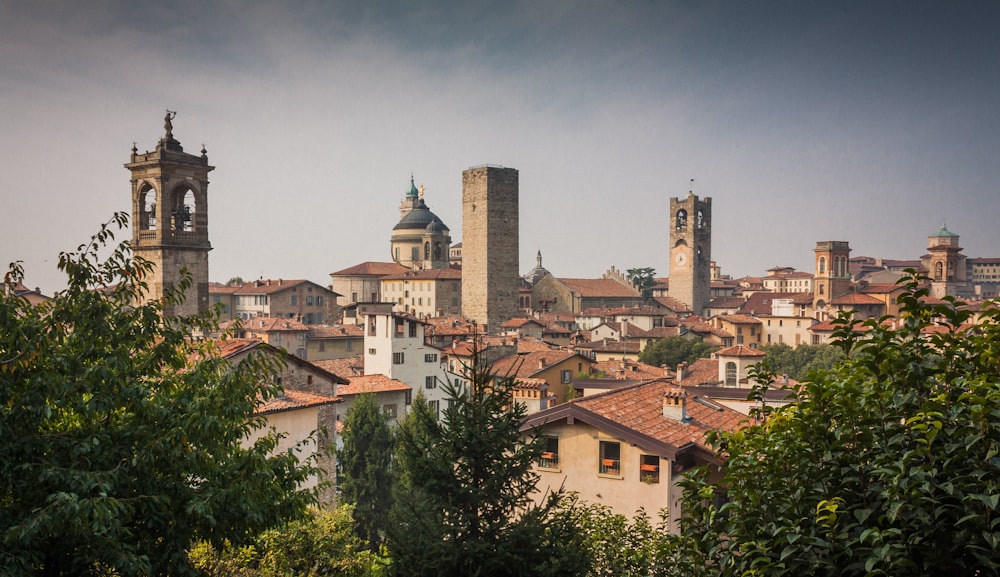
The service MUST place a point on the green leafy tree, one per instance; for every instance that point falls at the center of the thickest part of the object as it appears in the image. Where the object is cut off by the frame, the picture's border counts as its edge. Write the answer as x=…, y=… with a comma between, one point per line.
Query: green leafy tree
x=674, y=350
x=888, y=464
x=799, y=361
x=123, y=439
x=364, y=463
x=464, y=502
x=323, y=543
x=642, y=279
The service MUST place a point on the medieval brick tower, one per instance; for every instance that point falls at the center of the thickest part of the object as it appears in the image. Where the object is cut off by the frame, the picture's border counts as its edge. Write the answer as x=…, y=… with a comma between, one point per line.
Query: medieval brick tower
x=170, y=219
x=490, y=277
x=946, y=265
x=691, y=251
x=833, y=277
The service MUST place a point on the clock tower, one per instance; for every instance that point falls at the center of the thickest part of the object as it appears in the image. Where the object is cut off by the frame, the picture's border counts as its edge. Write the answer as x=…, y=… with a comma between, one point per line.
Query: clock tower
x=691, y=251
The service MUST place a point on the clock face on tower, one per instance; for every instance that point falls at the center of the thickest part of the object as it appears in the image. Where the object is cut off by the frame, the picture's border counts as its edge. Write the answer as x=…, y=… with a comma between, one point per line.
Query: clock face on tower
x=680, y=259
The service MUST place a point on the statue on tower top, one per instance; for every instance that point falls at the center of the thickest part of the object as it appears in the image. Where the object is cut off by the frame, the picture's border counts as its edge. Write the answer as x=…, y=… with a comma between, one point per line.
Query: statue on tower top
x=168, y=125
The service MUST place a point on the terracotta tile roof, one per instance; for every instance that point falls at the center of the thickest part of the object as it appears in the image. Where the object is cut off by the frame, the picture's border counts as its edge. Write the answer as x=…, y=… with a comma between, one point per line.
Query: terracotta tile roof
x=617, y=369
x=268, y=286
x=451, y=273
x=697, y=325
x=635, y=413
x=855, y=299
x=344, y=368
x=229, y=348
x=600, y=287
x=740, y=319
x=828, y=326
x=880, y=288
x=273, y=324
x=518, y=322
x=610, y=346
x=554, y=329
x=372, y=269
x=335, y=331
x=701, y=372
x=215, y=288
x=291, y=400
x=629, y=329
x=662, y=332
x=371, y=384
x=529, y=364
x=530, y=345
x=447, y=326
x=530, y=383
x=803, y=299
x=726, y=303
x=760, y=303
x=740, y=351
x=672, y=304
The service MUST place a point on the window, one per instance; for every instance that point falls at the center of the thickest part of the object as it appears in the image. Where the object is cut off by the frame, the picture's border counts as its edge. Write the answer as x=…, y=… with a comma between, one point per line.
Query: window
x=295, y=300
x=610, y=458
x=413, y=330
x=429, y=382
x=348, y=346
x=354, y=297
x=549, y=458
x=319, y=301
x=390, y=410
x=309, y=379
x=397, y=358
x=565, y=376
x=309, y=300
x=409, y=398
x=371, y=351
x=433, y=406
x=400, y=325
x=730, y=374
x=649, y=469
x=322, y=346
x=371, y=327
x=430, y=358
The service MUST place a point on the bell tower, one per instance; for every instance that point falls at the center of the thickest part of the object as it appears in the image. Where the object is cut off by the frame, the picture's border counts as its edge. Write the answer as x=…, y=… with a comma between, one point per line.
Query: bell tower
x=170, y=218
x=691, y=251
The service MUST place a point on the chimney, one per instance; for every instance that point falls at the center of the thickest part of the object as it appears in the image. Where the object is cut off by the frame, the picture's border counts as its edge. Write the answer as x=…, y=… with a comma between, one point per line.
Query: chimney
x=543, y=397
x=675, y=404
x=679, y=376
x=279, y=282
x=267, y=282
x=541, y=363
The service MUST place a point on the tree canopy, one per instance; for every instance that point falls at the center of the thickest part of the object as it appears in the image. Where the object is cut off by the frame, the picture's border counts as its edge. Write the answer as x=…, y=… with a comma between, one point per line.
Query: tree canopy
x=464, y=504
x=799, y=361
x=674, y=350
x=888, y=464
x=124, y=439
x=642, y=279
x=364, y=464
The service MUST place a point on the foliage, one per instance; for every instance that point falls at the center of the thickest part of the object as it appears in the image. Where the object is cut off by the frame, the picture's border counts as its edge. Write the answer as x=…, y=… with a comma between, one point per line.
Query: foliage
x=642, y=279
x=123, y=439
x=236, y=281
x=622, y=547
x=464, y=501
x=672, y=351
x=364, y=464
x=800, y=361
x=324, y=543
x=889, y=464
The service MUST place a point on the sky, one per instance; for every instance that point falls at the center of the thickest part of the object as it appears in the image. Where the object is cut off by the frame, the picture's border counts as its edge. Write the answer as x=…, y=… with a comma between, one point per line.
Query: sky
x=873, y=122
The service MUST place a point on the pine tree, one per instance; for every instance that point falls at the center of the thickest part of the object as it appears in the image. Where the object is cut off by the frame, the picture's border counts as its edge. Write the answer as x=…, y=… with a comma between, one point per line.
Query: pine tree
x=464, y=502
x=365, y=468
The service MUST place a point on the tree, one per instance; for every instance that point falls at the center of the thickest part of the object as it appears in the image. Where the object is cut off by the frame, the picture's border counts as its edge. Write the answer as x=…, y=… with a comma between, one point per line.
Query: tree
x=642, y=279
x=323, y=543
x=236, y=281
x=464, y=504
x=123, y=439
x=885, y=465
x=799, y=361
x=674, y=350
x=365, y=476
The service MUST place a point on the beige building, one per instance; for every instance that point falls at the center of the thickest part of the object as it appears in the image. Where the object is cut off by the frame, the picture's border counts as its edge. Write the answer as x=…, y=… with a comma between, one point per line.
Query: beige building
x=362, y=283
x=420, y=241
x=629, y=448
x=785, y=279
x=575, y=295
x=745, y=328
x=557, y=368
x=424, y=293
x=324, y=342
x=298, y=299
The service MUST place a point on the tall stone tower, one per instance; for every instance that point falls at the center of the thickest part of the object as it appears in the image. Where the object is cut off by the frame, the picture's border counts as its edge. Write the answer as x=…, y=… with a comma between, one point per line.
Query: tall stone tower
x=490, y=276
x=170, y=218
x=946, y=265
x=691, y=251
x=833, y=277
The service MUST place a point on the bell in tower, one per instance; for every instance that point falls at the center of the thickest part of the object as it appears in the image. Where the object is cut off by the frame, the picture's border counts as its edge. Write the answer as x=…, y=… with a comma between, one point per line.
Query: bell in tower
x=170, y=218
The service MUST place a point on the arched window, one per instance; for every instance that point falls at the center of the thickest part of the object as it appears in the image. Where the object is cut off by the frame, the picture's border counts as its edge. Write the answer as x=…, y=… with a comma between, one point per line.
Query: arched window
x=730, y=374
x=147, y=208
x=701, y=257
x=427, y=251
x=182, y=211
x=938, y=271
x=701, y=220
x=822, y=265
x=437, y=251
x=682, y=219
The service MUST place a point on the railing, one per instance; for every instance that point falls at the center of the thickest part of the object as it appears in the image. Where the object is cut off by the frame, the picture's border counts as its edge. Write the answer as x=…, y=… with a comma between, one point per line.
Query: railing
x=610, y=467
x=549, y=460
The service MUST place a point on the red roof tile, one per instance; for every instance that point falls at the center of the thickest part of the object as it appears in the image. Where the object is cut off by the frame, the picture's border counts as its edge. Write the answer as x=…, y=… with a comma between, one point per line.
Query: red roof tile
x=371, y=384
x=600, y=287
x=291, y=400
x=372, y=269
x=740, y=351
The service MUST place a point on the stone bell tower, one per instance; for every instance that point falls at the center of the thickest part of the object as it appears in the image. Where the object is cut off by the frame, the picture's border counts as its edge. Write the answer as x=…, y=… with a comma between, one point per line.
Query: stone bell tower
x=170, y=219
x=691, y=251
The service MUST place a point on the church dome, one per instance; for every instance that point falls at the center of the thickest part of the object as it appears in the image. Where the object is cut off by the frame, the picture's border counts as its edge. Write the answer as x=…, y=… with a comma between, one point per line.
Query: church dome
x=436, y=226
x=419, y=218
x=538, y=273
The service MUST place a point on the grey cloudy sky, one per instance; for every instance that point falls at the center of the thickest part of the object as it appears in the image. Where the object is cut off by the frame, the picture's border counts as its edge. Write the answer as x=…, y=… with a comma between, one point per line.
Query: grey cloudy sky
x=871, y=122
